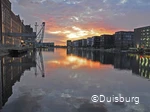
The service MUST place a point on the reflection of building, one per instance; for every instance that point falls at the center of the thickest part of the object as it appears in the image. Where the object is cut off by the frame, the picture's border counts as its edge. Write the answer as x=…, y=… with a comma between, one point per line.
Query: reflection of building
x=106, y=58
x=139, y=65
x=69, y=51
x=122, y=61
x=135, y=65
x=142, y=66
x=142, y=37
x=95, y=56
x=124, y=39
x=11, y=71
x=107, y=41
x=50, y=49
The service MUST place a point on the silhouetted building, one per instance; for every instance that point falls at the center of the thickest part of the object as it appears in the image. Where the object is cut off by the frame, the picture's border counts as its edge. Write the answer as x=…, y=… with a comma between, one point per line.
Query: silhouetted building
x=84, y=43
x=124, y=39
x=107, y=41
x=69, y=43
x=89, y=42
x=48, y=44
x=28, y=29
x=142, y=37
x=75, y=43
x=96, y=42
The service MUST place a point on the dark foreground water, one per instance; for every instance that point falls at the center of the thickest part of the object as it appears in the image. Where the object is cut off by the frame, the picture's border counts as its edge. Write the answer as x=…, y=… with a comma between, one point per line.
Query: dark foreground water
x=60, y=80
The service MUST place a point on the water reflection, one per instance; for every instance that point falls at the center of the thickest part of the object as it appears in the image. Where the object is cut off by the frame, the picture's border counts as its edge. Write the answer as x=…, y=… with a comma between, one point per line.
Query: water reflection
x=61, y=82
x=139, y=65
x=12, y=69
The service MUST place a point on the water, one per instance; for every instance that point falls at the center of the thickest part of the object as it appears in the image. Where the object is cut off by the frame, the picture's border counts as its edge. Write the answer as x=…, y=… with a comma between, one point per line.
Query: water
x=60, y=80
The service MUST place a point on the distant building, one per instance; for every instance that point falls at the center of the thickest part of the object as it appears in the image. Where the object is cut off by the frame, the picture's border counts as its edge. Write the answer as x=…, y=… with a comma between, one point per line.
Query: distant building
x=96, y=41
x=89, y=42
x=142, y=37
x=84, y=42
x=49, y=44
x=79, y=43
x=75, y=43
x=69, y=43
x=107, y=41
x=124, y=39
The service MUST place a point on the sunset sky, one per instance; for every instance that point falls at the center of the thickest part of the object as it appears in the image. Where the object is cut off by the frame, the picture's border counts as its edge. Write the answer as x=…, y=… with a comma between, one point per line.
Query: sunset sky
x=76, y=19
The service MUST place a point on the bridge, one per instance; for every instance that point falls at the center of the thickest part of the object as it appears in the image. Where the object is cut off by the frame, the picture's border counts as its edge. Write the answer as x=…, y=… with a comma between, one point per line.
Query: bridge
x=20, y=34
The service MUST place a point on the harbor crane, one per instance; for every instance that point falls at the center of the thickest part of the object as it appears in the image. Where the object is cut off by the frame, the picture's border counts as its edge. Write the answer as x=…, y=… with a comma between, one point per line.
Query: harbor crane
x=36, y=38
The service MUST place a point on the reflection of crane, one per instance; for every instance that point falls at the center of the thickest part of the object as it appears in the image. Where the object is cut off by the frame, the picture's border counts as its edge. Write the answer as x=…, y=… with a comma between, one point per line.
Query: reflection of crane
x=39, y=63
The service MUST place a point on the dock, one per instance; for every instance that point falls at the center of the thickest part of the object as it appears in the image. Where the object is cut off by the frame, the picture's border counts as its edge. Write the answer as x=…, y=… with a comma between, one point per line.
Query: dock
x=17, y=50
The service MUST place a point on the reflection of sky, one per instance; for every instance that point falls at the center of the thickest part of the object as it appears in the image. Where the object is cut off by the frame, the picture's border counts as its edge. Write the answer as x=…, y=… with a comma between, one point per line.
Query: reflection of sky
x=73, y=62
x=64, y=88
x=74, y=19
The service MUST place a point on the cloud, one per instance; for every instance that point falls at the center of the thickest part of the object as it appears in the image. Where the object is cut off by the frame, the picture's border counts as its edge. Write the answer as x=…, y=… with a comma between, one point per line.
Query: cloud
x=98, y=16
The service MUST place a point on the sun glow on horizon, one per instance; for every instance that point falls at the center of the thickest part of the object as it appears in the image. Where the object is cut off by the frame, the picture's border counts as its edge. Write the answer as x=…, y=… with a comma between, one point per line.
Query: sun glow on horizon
x=76, y=33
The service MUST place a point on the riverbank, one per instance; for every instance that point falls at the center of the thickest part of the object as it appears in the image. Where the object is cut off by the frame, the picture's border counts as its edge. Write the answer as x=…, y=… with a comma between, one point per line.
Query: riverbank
x=4, y=50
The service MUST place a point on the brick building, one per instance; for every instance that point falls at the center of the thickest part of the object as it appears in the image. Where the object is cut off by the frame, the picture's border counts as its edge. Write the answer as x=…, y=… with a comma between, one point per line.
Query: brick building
x=11, y=24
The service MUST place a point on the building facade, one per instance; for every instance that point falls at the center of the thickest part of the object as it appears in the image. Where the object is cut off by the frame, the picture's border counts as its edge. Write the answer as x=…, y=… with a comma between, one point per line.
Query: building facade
x=11, y=25
x=84, y=43
x=69, y=43
x=89, y=42
x=15, y=27
x=142, y=37
x=49, y=44
x=107, y=41
x=96, y=41
x=124, y=39
x=6, y=19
